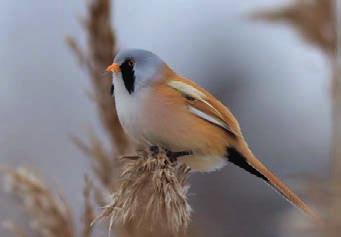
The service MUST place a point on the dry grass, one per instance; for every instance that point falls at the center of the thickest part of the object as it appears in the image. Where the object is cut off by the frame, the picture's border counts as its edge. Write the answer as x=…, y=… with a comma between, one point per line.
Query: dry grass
x=101, y=48
x=88, y=213
x=13, y=228
x=152, y=195
x=313, y=19
x=48, y=212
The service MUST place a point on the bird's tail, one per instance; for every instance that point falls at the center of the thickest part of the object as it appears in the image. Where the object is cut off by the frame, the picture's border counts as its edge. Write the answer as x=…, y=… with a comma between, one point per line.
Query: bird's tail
x=244, y=158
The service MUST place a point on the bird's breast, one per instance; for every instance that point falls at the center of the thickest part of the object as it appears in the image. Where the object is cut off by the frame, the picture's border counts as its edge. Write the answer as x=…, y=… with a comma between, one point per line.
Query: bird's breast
x=156, y=118
x=129, y=111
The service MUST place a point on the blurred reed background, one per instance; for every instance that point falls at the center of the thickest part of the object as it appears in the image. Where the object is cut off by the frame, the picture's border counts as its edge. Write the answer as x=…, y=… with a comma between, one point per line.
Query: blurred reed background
x=280, y=87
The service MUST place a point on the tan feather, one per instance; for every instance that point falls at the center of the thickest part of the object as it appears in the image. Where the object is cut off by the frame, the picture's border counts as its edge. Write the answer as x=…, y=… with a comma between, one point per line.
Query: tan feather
x=203, y=101
x=277, y=184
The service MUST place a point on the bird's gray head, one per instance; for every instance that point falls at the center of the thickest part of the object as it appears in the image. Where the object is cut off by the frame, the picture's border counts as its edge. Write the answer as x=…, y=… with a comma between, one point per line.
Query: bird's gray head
x=135, y=69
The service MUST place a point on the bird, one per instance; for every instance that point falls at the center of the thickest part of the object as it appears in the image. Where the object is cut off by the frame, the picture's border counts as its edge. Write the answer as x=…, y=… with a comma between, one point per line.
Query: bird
x=159, y=108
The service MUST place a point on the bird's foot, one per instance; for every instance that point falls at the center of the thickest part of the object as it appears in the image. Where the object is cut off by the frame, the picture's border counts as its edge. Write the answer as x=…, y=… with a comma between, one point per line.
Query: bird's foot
x=174, y=155
x=171, y=155
x=154, y=150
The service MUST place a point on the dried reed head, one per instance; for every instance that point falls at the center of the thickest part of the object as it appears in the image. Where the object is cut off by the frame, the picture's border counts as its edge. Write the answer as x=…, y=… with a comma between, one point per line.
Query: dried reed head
x=152, y=195
x=100, y=52
x=49, y=214
x=88, y=212
x=13, y=228
x=313, y=19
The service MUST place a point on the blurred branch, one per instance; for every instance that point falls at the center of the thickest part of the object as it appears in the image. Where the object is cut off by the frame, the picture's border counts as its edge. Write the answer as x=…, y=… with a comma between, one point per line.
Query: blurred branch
x=338, y=32
x=334, y=217
x=313, y=19
x=99, y=53
x=13, y=228
x=88, y=213
x=335, y=207
x=101, y=47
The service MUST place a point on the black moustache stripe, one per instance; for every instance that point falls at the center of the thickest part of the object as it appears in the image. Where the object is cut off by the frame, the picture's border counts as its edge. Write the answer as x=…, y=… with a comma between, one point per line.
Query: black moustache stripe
x=128, y=76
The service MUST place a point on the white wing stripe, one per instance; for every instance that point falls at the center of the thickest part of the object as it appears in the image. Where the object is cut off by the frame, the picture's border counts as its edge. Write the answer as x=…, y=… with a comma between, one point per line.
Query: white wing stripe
x=207, y=117
x=187, y=89
x=191, y=91
x=211, y=106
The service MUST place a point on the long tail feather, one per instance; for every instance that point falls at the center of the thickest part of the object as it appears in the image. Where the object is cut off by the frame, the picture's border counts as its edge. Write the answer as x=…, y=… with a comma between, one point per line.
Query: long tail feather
x=244, y=158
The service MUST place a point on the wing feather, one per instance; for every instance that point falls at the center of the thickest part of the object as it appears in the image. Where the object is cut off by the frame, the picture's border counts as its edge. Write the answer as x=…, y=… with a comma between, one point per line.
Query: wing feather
x=204, y=106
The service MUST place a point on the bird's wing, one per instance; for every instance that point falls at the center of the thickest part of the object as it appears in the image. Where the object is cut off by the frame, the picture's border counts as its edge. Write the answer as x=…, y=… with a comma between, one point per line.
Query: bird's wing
x=205, y=106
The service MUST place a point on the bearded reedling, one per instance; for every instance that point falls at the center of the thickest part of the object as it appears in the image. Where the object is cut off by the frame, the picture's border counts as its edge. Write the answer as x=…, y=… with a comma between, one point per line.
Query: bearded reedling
x=158, y=108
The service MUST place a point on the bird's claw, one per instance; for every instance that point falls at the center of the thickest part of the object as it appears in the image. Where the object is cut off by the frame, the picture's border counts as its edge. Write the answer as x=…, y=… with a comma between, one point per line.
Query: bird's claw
x=154, y=150
x=174, y=155
x=171, y=155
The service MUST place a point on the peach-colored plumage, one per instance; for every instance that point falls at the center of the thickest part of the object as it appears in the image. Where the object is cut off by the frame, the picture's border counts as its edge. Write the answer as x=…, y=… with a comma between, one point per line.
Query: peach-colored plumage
x=158, y=107
x=207, y=141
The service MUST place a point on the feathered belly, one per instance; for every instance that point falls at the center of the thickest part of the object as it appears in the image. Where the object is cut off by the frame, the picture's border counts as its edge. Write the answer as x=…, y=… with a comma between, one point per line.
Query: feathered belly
x=204, y=163
x=174, y=128
x=131, y=117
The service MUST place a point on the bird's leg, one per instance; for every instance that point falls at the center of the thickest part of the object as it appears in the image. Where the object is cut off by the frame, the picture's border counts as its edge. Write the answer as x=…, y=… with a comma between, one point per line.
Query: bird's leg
x=154, y=150
x=174, y=155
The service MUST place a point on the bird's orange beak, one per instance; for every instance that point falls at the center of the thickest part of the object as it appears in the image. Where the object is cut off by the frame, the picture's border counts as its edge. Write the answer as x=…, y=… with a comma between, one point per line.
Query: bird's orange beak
x=113, y=68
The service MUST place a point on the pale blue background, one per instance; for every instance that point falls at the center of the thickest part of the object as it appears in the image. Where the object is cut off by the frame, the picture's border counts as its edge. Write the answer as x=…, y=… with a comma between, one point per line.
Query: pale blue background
x=275, y=84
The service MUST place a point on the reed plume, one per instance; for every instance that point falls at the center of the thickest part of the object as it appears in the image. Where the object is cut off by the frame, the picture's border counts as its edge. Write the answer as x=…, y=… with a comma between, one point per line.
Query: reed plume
x=314, y=20
x=152, y=194
x=48, y=213
x=101, y=48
